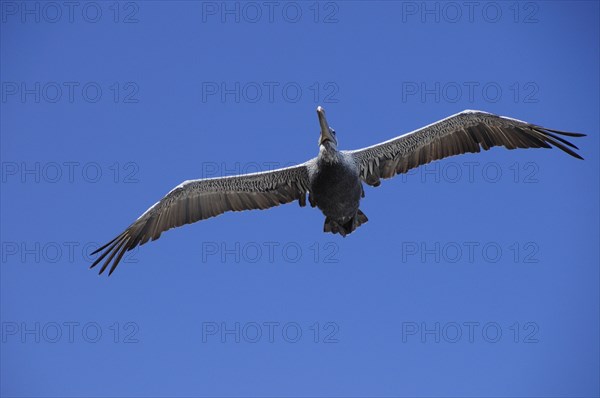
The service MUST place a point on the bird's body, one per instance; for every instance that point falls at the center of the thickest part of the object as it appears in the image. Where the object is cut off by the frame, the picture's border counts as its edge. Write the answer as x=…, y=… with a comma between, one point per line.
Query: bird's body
x=336, y=189
x=334, y=179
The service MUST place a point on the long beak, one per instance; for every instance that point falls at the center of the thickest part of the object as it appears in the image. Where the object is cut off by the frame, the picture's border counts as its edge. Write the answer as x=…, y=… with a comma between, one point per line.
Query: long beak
x=325, y=131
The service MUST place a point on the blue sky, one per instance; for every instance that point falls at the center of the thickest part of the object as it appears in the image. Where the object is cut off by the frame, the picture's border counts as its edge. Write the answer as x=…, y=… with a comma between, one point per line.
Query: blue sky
x=475, y=276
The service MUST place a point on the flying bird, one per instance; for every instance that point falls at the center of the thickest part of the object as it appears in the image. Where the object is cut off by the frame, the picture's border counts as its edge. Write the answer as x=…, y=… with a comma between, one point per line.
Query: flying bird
x=334, y=179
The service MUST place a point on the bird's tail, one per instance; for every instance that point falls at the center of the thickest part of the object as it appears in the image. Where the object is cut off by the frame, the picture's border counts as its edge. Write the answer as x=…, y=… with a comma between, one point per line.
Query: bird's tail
x=344, y=229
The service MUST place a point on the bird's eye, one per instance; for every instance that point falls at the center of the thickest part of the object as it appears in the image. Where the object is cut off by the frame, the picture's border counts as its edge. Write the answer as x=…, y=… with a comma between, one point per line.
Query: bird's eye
x=333, y=132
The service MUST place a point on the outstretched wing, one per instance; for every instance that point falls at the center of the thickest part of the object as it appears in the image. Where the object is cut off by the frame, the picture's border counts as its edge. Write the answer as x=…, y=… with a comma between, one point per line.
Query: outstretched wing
x=467, y=131
x=197, y=200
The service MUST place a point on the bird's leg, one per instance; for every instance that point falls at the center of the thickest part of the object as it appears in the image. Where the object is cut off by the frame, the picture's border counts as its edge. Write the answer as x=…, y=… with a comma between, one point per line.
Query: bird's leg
x=311, y=200
x=302, y=200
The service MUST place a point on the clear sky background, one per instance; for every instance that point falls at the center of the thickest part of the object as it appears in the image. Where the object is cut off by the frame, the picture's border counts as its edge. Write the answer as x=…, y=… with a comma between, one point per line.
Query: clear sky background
x=475, y=276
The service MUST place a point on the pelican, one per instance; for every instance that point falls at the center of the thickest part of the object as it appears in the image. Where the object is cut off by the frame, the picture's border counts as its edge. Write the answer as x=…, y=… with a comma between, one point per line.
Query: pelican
x=334, y=179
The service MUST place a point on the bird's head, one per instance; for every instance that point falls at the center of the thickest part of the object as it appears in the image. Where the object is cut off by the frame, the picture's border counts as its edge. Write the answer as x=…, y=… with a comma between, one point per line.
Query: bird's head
x=327, y=139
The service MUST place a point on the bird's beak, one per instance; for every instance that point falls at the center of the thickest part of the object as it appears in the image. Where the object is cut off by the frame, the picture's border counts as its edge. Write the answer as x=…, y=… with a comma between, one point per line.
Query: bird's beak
x=325, y=131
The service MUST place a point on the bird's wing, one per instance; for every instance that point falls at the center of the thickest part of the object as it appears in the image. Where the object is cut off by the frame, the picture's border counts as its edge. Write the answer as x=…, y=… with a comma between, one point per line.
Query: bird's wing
x=197, y=200
x=467, y=131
